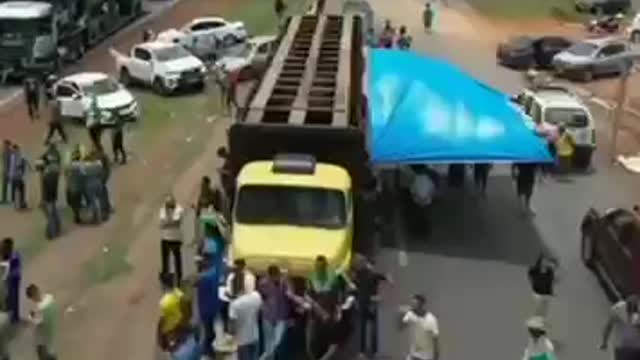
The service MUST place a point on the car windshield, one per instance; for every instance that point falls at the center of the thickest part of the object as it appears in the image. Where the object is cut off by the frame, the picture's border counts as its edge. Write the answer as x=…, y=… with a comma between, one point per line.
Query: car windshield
x=286, y=205
x=574, y=118
x=171, y=53
x=582, y=49
x=102, y=87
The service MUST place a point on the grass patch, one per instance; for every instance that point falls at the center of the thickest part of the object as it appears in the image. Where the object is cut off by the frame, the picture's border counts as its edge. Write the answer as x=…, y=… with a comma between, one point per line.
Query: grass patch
x=563, y=10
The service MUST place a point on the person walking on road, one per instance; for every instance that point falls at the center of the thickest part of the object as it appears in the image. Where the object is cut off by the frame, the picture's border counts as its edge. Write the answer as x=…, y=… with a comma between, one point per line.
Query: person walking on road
x=542, y=277
x=55, y=123
x=13, y=279
x=525, y=177
x=7, y=155
x=276, y=294
x=424, y=331
x=387, y=36
x=367, y=281
x=624, y=322
x=32, y=97
x=18, y=167
x=50, y=180
x=427, y=16
x=117, y=143
x=481, y=177
x=171, y=215
x=565, y=148
x=539, y=347
x=243, y=313
x=279, y=7
x=45, y=321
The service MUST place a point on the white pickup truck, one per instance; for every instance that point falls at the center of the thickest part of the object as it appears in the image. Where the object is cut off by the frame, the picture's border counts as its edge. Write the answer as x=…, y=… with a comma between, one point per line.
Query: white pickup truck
x=166, y=67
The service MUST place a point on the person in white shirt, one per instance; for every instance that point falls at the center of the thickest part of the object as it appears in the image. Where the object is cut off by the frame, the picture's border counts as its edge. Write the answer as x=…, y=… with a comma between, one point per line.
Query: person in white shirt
x=424, y=332
x=239, y=282
x=539, y=346
x=243, y=313
x=171, y=215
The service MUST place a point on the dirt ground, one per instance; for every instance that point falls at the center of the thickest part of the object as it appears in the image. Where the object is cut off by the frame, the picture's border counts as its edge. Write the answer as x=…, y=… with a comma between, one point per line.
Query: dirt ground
x=114, y=319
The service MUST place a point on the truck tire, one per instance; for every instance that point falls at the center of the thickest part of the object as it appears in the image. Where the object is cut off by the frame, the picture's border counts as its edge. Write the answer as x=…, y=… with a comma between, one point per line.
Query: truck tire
x=587, y=249
x=125, y=77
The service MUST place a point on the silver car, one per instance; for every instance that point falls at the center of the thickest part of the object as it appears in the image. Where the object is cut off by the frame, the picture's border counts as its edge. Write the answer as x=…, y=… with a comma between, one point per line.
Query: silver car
x=589, y=58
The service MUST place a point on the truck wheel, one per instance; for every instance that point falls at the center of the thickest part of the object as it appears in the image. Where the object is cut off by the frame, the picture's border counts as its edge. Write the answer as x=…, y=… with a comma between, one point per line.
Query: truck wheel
x=125, y=78
x=159, y=88
x=587, y=252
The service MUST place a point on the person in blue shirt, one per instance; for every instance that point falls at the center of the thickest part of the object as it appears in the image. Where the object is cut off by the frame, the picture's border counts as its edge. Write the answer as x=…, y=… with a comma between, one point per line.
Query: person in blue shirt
x=207, y=282
x=14, y=276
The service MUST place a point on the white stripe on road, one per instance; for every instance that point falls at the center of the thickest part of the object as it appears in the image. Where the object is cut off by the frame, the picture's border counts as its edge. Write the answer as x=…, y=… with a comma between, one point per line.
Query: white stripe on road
x=9, y=98
x=602, y=103
x=403, y=258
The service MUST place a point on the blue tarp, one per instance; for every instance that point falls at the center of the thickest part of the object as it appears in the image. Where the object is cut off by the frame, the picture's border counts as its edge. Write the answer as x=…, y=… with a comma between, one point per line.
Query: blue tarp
x=425, y=110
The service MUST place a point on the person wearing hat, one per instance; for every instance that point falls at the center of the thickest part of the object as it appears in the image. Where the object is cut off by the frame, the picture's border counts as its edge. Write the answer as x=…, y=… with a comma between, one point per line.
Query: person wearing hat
x=539, y=346
x=624, y=322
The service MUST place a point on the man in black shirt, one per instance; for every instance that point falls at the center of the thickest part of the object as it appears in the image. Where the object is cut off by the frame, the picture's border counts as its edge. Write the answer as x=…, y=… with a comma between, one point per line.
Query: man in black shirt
x=32, y=97
x=525, y=176
x=367, y=281
x=542, y=279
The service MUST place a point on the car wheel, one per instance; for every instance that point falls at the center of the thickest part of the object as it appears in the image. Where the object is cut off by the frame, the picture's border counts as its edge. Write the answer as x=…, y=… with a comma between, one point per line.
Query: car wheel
x=587, y=248
x=635, y=37
x=125, y=77
x=159, y=87
x=587, y=75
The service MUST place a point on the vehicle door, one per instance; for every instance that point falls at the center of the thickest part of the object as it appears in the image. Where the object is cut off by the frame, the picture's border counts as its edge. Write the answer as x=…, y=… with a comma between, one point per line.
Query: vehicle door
x=549, y=47
x=70, y=99
x=621, y=267
x=141, y=66
x=607, y=242
x=606, y=63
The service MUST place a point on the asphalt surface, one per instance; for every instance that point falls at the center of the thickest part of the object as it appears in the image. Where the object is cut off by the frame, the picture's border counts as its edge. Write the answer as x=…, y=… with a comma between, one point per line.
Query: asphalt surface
x=472, y=266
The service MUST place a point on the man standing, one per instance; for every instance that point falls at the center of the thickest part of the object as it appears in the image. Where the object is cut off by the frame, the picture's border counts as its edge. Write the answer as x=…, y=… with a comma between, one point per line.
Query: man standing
x=427, y=16
x=367, y=281
x=117, y=142
x=424, y=330
x=55, y=123
x=94, y=179
x=624, y=321
x=243, y=313
x=171, y=215
x=45, y=320
x=542, y=279
x=280, y=7
x=105, y=174
x=73, y=183
x=206, y=283
x=94, y=123
x=14, y=277
x=17, y=172
x=525, y=176
x=275, y=292
x=32, y=97
x=481, y=177
x=7, y=153
x=50, y=177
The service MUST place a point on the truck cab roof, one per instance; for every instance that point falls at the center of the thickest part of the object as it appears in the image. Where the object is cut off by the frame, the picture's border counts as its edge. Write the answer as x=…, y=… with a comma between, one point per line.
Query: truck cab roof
x=25, y=9
x=325, y=176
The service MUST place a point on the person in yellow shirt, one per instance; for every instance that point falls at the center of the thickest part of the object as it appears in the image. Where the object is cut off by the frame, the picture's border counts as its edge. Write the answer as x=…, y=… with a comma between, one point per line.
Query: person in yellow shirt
x=174, y=316
x=565, y=147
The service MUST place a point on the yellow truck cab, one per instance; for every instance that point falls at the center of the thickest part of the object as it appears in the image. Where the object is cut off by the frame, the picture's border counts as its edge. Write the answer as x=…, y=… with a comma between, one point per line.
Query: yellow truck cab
x=290, y=210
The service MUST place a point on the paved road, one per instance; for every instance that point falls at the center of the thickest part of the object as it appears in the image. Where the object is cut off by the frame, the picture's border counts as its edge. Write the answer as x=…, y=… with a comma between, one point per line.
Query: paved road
x=153, y=8
x=472, y=266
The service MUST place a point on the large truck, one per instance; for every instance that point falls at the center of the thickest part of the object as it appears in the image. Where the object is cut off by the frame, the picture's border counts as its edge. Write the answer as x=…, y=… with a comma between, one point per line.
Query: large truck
x=296, y=170
x=39, y=36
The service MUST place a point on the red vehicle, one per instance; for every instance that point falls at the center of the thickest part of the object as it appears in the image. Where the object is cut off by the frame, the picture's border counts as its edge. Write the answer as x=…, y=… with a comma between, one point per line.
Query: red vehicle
x=611, y=248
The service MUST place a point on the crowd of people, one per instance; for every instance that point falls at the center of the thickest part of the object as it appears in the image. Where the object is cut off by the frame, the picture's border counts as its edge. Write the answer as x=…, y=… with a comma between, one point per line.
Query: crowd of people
x=388, y=38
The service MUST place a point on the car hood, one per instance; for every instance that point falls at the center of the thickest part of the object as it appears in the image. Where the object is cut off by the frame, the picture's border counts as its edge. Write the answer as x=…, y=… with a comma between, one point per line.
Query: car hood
x=293, y=247
x=185, y=63
x=566, y=57
x=115, y=99
x=232, y=63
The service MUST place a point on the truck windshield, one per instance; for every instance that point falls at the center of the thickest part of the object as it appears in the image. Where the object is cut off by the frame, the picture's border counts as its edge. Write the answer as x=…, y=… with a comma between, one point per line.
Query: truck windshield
x=102, y=87
x=171, y=53
x=25, y=27
x=286, y=205
x=575, y=118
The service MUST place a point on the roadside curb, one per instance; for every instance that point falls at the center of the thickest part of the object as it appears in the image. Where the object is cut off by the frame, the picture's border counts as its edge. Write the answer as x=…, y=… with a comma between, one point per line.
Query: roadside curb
x=163, y=9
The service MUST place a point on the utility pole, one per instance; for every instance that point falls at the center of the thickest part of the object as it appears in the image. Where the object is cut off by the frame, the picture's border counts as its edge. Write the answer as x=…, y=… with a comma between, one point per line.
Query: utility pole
x=619, y=110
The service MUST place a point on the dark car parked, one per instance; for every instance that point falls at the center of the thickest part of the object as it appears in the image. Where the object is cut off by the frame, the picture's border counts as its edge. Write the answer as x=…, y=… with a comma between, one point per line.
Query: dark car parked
x=611, y=247
x=603, y=7
x=524, y=52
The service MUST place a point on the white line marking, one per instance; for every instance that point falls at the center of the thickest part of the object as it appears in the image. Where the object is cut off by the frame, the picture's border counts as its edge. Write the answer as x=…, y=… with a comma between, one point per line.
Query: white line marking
x=403, y=258
x=602, y=103
x=9, y=98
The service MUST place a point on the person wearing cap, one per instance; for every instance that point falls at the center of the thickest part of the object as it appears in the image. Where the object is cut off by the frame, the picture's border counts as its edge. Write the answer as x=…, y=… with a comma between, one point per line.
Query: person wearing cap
x=539, y=346
x=624, y=322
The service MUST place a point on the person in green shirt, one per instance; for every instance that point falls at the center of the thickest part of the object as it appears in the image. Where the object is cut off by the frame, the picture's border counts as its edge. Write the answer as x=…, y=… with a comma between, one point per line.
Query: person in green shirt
x=44, y=317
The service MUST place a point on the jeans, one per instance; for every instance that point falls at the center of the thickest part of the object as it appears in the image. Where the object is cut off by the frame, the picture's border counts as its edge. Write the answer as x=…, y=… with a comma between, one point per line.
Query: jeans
x=248, y=351
x=74, y=200
x=44, y=353
x=209, y=333
x=13, y=299
x=173, y=247
x=53, y=220
x=273, y=332
x=18, y=193
x=105, y=202
x=92, y=197
x=368, y=329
